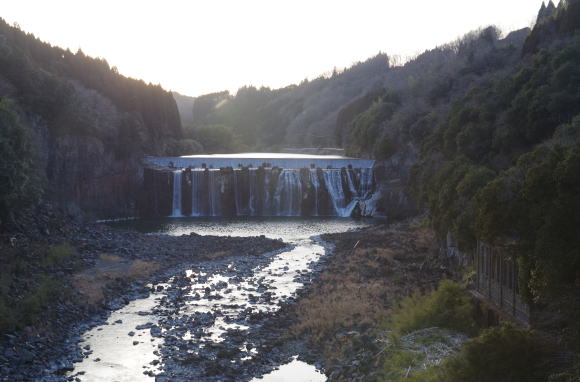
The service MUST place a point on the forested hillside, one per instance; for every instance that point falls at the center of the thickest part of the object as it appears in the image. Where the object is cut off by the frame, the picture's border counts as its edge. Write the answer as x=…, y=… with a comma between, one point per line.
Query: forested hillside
x=73, y=129
x=409, y=98
x=504, y=164
x=301, y=115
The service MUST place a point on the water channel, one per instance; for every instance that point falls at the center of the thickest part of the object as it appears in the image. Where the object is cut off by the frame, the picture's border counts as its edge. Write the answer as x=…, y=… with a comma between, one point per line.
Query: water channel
x=205, y=322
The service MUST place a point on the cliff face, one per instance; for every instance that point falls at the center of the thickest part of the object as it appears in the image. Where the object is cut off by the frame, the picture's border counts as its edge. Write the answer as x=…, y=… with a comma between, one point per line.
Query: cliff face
x=87, y=126
x=391, y=198
x=85, y=177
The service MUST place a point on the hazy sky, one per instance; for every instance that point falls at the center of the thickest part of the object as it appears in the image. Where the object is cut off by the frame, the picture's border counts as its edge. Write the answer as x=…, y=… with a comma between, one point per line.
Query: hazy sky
x=201, y=46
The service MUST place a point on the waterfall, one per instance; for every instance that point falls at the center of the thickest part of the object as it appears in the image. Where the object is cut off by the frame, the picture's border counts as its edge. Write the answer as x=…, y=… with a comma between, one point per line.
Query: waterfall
x=253, y=203
x=316, y=184
x=270, y=191
x=198, y=192
x=267, y=200
x=366, y=182
x=333, y=181
x=177, y=193
x=238, y=198
x=288, y=195
x=214, y=190
x=351, y=186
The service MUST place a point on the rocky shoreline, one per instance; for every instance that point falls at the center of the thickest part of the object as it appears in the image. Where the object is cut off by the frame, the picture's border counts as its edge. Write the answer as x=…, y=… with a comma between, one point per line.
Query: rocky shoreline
x=47, y=349
x=332, y=322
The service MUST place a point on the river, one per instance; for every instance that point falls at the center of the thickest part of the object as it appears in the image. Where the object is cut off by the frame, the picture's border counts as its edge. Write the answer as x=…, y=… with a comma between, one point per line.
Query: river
x=214, y=320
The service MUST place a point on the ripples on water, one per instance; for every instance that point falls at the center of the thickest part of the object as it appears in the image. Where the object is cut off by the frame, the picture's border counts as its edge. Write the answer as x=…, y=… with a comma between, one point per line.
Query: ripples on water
x=121, y=360
x=289, y=229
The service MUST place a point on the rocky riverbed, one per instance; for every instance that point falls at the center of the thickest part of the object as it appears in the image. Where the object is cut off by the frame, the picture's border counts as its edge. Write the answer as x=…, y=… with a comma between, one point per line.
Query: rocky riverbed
x=106, y=270
x=185, y=307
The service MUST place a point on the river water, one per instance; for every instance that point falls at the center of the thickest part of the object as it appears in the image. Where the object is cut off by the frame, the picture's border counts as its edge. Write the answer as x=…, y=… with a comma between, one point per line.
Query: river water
x=206, y=323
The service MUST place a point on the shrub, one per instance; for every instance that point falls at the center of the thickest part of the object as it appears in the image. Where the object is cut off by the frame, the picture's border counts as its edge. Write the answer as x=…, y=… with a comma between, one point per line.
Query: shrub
x=448, y=307
x=499, y=354
x=36, y=302
x=58, y=254
x=399, y=362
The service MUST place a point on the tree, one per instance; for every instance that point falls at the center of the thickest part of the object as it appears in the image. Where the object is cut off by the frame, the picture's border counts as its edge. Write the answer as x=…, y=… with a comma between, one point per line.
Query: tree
x=16, y=168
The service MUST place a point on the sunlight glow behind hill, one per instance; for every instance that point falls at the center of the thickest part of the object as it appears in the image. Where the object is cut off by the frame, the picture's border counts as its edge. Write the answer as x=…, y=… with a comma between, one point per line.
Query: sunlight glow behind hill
x=197, y=47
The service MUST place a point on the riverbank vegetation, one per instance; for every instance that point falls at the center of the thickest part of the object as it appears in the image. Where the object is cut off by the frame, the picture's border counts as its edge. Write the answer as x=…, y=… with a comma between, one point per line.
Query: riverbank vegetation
x=503, y=353
x=31, y=280
x=369, y=273
x=391, y=307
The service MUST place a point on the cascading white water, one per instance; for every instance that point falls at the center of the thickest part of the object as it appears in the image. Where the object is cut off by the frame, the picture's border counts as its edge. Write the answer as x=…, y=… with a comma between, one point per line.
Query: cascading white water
x=316, y=184
x=271, y=192
x=366, y=182
x=238, y=193
x=333, y=181
x=351, y=186
x=253, y=204
x=177, y=193
x=267, y=201
x=214, y=193
x=197, y=194
x=288, y=195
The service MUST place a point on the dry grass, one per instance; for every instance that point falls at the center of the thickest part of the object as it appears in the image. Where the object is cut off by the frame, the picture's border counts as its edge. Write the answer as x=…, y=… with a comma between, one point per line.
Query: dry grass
x=108, y=268
x=342, y=311
x=332, y=308
x=360, y=286
x=215, y=255
x=141, y=269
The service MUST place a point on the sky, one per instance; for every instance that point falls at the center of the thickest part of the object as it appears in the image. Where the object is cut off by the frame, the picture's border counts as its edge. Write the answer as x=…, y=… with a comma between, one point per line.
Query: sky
x=197, y=47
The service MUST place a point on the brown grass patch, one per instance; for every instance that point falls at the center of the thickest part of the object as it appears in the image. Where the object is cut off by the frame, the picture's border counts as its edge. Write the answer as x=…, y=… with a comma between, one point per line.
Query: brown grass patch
x=92, y=281
x=215, y=255
x=141, y=269
x=360, y=286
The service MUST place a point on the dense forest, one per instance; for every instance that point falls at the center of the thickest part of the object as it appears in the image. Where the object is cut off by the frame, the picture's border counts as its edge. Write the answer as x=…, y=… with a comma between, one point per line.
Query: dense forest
x=71, y=126
x=503, y=165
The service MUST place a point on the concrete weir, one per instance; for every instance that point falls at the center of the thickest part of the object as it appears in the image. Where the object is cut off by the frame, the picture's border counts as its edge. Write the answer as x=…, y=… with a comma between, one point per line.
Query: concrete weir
x=257, y=185
x=254, y=160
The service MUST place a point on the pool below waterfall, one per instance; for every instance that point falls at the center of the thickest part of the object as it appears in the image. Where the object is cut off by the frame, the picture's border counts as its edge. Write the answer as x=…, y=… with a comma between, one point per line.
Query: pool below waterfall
x=214, y=320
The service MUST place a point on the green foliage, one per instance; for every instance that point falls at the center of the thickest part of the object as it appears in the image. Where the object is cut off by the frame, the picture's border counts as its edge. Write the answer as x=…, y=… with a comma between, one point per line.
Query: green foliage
x=58, y=254
x=503, y=166
x=17, y=180
x=365, y=128
x=183, y=147
x=536, y=201
x=30, y=307
x=499, y=354
x=213, y=138
x=448, y=307
x=398, y=362
x=62, y=88
x=34, y=303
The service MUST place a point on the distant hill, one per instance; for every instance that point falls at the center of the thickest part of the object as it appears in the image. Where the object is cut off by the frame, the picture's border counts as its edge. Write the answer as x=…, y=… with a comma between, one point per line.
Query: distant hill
x=185, y=107
x=321, y=112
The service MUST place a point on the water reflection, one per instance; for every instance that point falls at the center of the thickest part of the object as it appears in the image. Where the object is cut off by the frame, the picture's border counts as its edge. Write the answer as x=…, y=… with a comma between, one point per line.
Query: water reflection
x=289, y=229
x=227, y=286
